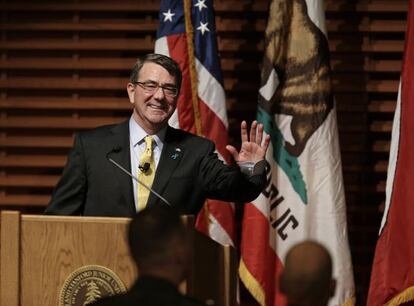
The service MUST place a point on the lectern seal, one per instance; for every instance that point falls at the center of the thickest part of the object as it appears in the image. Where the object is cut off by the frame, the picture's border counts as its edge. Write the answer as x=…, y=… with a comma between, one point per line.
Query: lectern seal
x=88, y=284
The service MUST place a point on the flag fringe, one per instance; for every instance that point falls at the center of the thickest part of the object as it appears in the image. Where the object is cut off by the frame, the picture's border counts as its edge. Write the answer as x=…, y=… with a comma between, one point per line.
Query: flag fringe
x=406, y=296
x=251, y=284
x=349, y=302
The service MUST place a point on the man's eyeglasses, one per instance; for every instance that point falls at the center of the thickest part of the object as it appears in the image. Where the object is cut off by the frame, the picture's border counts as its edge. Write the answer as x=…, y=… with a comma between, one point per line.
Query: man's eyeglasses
x=150, y=87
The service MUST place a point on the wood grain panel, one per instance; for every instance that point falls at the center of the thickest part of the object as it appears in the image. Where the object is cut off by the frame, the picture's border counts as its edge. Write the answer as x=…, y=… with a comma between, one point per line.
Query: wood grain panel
x=10, y=259
x=61, y=251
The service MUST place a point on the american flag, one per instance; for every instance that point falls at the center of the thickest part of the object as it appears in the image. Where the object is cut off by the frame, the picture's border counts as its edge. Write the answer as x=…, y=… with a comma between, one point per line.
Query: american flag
x=187, y=33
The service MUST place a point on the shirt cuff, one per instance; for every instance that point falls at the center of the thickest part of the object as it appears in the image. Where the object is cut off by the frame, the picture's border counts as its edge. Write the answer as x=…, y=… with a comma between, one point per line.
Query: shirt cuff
x=252, y=168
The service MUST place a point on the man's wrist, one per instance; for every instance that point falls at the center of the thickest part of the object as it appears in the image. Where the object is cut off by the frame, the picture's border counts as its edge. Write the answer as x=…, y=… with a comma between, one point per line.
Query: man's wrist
x=252, y=168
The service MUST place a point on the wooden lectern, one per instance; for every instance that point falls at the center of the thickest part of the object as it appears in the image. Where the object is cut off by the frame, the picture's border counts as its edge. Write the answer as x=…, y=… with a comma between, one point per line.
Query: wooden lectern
x=39, y=253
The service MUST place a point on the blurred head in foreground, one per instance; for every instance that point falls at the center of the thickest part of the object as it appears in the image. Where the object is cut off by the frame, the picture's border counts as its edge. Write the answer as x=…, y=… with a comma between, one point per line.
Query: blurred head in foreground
x=307, y=277
x=159, y=244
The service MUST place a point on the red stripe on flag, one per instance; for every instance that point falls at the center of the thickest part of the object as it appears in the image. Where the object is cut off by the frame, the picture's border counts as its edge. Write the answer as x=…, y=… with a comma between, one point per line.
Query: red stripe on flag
x=224, y=214
x=214, y=129
x=177, y=45
x=393, y=271
x=259, y=258
x=202, y=220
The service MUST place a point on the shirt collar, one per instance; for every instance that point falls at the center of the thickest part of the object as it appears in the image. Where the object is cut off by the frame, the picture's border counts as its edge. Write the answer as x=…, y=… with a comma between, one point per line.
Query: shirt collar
x=137, y=134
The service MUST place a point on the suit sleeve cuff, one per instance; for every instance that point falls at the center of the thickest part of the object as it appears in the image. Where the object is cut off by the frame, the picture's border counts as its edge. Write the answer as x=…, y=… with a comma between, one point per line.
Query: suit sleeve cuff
x=252, y=168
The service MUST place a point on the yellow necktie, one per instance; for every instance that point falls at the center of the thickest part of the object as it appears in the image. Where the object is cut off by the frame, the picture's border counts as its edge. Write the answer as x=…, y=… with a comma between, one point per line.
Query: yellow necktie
x=146, y=174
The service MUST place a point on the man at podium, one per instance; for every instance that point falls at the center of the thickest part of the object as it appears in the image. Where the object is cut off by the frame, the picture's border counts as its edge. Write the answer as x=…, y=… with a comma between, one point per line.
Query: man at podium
x=120, y=169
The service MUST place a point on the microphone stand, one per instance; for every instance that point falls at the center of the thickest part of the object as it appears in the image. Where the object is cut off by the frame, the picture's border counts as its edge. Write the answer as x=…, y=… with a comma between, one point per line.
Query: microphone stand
x=139, y=182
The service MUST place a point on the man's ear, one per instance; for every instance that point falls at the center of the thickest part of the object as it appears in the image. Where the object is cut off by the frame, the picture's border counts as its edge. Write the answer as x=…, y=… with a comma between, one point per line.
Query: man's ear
x=131, y=92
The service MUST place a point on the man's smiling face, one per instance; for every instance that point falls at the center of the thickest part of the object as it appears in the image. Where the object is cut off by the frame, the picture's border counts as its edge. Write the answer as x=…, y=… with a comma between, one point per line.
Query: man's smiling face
x=152, y=110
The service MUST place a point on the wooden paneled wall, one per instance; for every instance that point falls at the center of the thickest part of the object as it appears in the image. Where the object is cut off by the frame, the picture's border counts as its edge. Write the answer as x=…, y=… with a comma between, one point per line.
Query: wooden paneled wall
x=64, y=67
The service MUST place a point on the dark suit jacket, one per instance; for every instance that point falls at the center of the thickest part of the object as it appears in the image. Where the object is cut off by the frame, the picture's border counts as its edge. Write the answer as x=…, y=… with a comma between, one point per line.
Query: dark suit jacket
x=188, y=172
x=150, y=291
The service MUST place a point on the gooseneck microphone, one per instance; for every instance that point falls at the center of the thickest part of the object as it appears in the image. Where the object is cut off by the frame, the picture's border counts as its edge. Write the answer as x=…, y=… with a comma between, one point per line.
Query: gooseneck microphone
x=145, y=168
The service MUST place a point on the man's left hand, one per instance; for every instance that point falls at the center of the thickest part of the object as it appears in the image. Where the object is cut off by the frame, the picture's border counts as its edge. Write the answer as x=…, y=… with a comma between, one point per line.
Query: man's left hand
x=252, y=150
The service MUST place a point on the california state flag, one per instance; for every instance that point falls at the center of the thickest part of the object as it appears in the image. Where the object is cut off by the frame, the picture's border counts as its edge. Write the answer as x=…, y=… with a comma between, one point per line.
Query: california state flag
x=392, y=277
x=304, y=196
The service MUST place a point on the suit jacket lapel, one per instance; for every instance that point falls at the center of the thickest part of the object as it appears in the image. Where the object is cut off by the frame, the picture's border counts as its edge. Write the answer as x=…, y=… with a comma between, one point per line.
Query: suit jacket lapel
x=170, y=158
x=119, y=138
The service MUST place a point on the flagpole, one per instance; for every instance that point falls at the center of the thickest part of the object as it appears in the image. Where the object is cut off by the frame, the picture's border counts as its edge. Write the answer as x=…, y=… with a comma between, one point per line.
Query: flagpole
x=191, y=59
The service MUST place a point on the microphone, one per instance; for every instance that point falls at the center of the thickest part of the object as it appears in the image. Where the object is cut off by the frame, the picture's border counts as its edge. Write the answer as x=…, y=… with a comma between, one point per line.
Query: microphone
x=145, y=167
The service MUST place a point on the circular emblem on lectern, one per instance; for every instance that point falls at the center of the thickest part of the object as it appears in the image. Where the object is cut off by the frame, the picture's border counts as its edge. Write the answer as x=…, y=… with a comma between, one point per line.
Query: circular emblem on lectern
x=88, y=284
